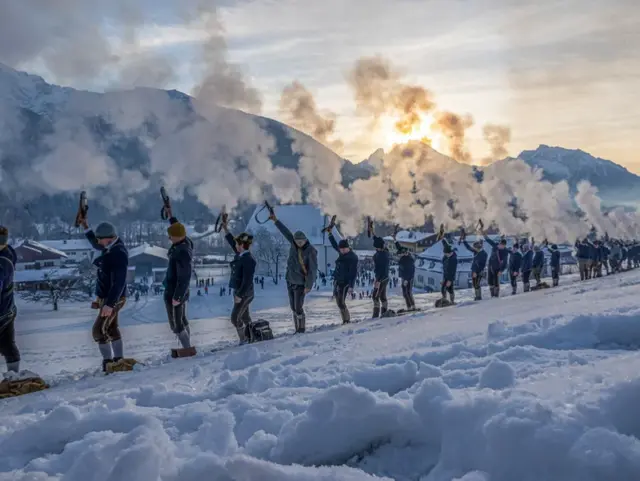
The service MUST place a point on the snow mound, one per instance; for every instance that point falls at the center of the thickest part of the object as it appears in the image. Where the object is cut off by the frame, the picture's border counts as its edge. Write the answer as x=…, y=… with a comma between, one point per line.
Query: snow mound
x=497, y=375
x=512, y=389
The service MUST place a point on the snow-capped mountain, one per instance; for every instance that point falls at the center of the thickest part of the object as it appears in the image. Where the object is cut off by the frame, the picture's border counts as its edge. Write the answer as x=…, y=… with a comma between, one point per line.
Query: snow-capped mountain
x=30, y=109
x=616, y=184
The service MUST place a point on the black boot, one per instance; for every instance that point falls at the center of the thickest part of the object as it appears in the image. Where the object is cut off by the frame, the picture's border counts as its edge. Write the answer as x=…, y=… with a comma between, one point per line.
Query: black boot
x=301, y=323
x=376, y=312
x=478, y=293
x=105, y=363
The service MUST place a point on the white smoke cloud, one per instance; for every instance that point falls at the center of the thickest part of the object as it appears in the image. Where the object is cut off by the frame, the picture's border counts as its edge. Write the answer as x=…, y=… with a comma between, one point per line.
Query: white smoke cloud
x=223, y=156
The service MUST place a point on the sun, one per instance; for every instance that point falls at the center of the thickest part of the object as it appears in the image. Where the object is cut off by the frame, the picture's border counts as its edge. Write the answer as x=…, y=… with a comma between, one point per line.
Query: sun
x=421, y=131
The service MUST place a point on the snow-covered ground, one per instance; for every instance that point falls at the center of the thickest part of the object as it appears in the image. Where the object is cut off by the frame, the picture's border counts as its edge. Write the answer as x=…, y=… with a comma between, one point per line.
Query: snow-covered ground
x=542, y=386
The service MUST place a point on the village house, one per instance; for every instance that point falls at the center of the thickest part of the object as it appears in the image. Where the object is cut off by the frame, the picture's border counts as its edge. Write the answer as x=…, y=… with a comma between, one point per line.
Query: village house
x=145, y=258
x=307, y=218
x=76, y=250
x=415, y=242
x=32, y=255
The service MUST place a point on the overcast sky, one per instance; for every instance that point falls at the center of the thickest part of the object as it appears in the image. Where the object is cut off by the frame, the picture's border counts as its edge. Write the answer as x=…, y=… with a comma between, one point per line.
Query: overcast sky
x=563, y=73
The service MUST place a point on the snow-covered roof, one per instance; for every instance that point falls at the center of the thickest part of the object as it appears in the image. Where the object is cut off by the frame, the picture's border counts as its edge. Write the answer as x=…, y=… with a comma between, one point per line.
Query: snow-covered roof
x=39, y=247
x=155, y=251
x=41, y=275
x=410, y=236
x=307, y=218
x=66, y=245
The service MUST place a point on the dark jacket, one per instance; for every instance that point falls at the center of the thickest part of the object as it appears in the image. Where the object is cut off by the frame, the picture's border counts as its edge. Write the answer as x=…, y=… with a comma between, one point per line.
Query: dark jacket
x=527, y=261
x=479, y=259
x=583, y=250
x=499, y=257
x=406, y=267
x=515, y=261
x=449, y=267
x=538, y=260
x=112, y=266
x=555, y=259
x=346, y=269
x=381, y=260
x=302, y=264
x=179, y=270
x=7, y=269
x=243, y=268
x=604, y=252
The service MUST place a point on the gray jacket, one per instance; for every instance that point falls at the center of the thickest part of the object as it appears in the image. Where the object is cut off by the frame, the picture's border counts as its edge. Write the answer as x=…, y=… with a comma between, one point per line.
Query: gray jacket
x=302, y=264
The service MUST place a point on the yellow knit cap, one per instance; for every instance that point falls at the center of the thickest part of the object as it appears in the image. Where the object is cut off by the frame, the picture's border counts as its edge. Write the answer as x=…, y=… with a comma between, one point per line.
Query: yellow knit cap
x=177, y=230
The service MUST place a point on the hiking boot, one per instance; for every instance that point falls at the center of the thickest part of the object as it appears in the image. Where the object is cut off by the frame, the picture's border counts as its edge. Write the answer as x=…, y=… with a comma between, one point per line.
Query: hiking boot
x=105, y=364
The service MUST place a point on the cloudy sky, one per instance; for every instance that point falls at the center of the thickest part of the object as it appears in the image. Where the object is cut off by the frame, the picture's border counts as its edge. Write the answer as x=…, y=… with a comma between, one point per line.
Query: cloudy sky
x=558, y=72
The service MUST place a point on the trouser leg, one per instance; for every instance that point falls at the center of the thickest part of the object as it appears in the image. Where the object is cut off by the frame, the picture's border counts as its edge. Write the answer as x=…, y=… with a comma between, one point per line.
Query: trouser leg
x=297, y=296
x=340, y=293
x=240, y=316
x=106, y=330
x=8, y=346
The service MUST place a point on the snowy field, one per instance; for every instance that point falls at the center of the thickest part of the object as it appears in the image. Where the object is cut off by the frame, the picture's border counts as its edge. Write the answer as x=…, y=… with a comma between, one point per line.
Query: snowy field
x=542, y=386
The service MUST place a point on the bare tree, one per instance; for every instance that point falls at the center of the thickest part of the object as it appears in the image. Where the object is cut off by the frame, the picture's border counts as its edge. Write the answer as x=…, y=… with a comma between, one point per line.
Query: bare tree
x=78, y=285
x=270, y=249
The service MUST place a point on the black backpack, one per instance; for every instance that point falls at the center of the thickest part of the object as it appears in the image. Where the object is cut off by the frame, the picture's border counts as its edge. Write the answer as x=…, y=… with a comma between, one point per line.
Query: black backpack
x=260, y=331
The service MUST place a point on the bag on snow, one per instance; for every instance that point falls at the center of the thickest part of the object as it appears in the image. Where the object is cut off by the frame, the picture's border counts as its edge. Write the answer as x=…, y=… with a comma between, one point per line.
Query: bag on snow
x=543, y=285
x=122, y=365
x=18, y=387
x=260, y=331
x=183, y=352
x=443, y=303
x=407, y=311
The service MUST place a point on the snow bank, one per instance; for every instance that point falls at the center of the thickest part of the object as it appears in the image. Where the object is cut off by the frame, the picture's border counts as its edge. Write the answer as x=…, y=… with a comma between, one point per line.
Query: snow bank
x=499, y=391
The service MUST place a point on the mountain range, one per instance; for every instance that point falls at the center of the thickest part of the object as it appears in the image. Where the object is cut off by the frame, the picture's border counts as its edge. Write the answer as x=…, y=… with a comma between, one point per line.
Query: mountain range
x=35, y=106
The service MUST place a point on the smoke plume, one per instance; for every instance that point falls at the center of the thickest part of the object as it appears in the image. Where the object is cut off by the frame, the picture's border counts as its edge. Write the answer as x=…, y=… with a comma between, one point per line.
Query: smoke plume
x=498, y=138
x=379, y=90
x=223, y=156
x=299, y=109
x=454, y=127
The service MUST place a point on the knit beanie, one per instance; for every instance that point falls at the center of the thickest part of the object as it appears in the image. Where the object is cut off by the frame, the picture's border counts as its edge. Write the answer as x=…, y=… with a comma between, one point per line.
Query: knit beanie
x=177, y=230
x=4, y=235
x=343, y=244
x=105, y=230
x=299, y=235
x=447, y=249
x=378, y=243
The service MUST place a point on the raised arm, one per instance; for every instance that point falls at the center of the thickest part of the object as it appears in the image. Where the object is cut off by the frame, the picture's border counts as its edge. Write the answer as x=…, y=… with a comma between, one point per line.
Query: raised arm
x=231, y=241
x=333, y=242
x=468, y=246
x=285, y=231
x=91, y=237
x=490, y=241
